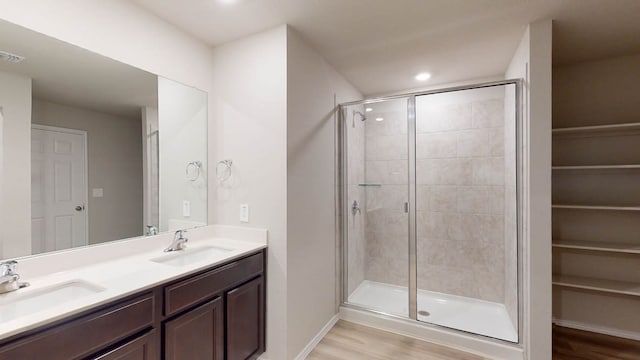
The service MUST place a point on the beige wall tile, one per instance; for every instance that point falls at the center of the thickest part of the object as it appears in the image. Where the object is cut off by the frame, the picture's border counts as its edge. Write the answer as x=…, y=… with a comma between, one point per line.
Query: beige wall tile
x=480, y=199
x=442, y=118
x=488, y=113
x=488, y=171
x=460, y=173
x=497, y=141
x=393, y=172
x=473, y=143
x=442, y=198
x=436, y=145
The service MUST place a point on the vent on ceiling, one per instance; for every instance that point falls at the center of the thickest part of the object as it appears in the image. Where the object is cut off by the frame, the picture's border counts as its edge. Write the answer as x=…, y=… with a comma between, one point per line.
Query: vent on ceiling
x=6, y=56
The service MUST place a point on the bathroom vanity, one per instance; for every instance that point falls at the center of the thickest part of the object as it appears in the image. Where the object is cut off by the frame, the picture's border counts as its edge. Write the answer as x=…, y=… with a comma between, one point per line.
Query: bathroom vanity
x=211, y=306
x=112, y=150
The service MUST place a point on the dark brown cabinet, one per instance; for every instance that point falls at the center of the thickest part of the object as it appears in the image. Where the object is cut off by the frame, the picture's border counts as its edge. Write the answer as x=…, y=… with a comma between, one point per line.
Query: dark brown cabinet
x=196, y=335
x=86, y=335
x=215, y=314
x=245, y=321
x=141, y=348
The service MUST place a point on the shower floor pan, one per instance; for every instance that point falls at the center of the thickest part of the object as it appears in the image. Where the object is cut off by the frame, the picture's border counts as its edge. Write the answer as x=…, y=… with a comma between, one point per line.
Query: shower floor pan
x=457, y=312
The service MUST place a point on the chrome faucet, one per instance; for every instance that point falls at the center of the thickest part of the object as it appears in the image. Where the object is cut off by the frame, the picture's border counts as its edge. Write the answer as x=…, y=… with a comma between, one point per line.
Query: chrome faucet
x=179, y=241
x=151, y=230
x=8, y=277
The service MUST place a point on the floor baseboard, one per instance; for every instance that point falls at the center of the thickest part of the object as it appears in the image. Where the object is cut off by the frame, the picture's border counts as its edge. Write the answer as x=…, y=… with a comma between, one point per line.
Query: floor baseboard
x=316, y=339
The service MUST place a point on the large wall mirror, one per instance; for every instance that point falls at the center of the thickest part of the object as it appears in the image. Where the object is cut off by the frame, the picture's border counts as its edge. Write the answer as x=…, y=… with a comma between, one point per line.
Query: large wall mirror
x=93, y=150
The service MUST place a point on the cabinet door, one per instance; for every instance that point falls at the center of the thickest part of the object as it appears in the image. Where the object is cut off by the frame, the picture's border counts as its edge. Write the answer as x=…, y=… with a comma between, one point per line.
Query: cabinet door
x=196, y=335
x=141, y=348
x=98, y=331
x=245, y=321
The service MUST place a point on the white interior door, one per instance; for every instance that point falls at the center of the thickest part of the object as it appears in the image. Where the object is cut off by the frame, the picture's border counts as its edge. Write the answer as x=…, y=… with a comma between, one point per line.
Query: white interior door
x=58, y=189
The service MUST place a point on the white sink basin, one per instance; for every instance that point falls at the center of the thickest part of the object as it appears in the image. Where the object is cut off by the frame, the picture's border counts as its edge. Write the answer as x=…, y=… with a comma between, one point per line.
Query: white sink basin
x=28, y=301
x=190, y=256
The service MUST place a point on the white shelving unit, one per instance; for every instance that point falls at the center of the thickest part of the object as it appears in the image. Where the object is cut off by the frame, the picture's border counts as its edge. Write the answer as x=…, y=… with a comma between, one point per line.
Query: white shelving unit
x=607, y=286
x=596, y=196
x=594, y=257
x=598, y=246
x=595, y=207
x=598, y=167
x=635, y=126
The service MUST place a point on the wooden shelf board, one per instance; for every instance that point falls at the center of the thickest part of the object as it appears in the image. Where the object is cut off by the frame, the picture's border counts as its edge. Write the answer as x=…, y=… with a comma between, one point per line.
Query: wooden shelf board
x=609, y=286
x=597, y=128
x=596, y=167
x=592, y=207
x=597, y=246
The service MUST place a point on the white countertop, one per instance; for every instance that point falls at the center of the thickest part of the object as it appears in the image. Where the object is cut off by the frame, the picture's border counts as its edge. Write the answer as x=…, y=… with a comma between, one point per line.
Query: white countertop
x=118, y=269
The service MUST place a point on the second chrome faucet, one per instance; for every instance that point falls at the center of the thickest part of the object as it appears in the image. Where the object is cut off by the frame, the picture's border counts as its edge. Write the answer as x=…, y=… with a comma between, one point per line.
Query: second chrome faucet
x=179, y=241
x=9, y=278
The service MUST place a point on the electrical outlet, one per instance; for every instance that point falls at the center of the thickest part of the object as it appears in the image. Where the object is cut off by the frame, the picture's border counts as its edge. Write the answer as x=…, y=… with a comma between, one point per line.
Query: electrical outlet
x=244, y=213
x=186, y=208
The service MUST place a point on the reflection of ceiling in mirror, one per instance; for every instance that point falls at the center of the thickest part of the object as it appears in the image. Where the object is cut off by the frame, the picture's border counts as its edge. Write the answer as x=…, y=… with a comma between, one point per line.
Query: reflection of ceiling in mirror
x=70, y=75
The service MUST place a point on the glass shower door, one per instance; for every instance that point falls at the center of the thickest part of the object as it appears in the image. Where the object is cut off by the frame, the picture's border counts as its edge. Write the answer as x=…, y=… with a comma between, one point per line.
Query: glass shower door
x=376, y=213
x=466, y=236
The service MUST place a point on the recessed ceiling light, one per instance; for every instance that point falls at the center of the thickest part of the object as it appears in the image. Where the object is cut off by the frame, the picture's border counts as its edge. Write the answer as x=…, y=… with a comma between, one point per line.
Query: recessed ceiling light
x=368, y=109
x=227, y=2
x=379, y=119
x=423, y=76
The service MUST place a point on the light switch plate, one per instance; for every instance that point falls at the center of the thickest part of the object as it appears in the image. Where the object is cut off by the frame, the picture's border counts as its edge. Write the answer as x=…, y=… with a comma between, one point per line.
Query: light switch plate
x=244, y=213
x=97, y=193
x=186, y=208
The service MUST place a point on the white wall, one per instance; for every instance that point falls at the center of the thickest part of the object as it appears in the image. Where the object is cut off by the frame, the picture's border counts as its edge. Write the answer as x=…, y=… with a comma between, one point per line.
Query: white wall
x=311, y=117
x=114, y=157
x=182, y=124
x=249, y=108
x=15, y=199
x=532, y=62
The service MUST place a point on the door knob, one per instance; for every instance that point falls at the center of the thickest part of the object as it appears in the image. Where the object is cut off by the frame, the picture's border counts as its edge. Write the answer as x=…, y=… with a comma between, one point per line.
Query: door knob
x=79, y=208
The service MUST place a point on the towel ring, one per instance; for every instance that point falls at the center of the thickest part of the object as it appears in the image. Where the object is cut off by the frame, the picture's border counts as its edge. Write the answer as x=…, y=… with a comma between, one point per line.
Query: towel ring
x=193, y=175
x=223, y=170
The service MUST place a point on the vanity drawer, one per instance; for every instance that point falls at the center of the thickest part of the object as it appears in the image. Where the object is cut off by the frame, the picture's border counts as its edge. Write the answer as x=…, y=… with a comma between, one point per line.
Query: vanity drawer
x=184, y=294
x=86, y=335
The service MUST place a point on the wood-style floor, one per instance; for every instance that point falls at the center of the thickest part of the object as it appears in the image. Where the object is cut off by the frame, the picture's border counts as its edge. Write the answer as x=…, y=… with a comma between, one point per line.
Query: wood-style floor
x=570, y=344
x=349, y=341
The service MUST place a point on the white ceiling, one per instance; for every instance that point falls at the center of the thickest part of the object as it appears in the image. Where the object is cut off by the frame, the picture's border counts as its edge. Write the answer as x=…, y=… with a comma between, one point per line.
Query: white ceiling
x=68, y=75
x=380, y=45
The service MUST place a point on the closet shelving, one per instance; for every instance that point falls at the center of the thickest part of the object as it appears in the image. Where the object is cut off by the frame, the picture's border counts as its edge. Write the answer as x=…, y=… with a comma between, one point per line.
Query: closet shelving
x=610, y=286
x=597, y=207
x=597, y=167
x=598, y=246
x=606, y=246
x=597, y=129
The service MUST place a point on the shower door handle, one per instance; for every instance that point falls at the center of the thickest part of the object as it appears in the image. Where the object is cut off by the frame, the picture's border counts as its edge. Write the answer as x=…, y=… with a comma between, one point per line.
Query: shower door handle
x=406, y=207
x=355, y=208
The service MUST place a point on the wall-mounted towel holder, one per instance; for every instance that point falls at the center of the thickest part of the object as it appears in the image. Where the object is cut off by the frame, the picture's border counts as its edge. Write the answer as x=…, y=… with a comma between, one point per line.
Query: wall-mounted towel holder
x=223, y=170
x=193, y=170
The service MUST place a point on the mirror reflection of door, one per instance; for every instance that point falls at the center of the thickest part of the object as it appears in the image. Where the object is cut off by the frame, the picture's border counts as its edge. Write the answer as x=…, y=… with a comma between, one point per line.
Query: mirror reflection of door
x=58, y=188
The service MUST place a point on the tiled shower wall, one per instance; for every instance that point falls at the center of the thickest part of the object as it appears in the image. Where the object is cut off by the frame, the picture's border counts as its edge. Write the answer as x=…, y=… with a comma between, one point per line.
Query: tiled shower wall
x=355, y=227
x=387, y=166
x=460, y=176
x=460, y=194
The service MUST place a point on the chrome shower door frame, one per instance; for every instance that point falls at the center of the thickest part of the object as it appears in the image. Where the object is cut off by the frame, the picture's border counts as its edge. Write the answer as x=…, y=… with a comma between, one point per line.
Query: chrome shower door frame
x=342, y=201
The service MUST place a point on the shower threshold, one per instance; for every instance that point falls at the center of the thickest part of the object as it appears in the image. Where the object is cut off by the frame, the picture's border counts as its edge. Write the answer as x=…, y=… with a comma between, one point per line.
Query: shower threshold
x=457, y=312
